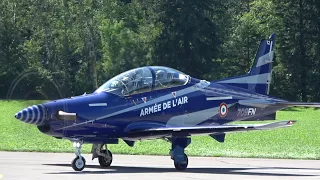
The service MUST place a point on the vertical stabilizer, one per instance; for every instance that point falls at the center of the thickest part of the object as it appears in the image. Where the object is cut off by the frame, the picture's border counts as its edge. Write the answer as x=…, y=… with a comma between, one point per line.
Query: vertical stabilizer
x=259, y=77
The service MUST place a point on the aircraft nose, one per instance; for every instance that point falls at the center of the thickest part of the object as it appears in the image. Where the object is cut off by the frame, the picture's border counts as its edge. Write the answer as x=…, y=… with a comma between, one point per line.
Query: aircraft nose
x=32, y=115
x=18, y=115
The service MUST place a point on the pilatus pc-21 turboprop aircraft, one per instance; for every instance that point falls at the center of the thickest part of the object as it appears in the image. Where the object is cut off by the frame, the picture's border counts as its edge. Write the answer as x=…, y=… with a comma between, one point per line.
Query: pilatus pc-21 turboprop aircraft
x=159, y=102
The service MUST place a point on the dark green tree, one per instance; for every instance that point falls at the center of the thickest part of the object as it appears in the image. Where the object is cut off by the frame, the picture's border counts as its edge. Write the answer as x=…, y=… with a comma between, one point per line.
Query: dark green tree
x=189, y=37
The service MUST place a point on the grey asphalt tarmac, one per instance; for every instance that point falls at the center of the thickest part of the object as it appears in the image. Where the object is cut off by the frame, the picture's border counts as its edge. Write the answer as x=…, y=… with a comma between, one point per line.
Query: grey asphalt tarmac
x=49, y=166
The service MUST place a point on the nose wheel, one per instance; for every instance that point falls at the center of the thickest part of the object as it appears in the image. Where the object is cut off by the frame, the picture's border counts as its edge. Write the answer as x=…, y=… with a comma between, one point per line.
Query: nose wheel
x=79, y=162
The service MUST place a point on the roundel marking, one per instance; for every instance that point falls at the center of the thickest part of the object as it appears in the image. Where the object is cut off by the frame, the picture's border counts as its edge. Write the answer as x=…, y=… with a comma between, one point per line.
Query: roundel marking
x=223, y=110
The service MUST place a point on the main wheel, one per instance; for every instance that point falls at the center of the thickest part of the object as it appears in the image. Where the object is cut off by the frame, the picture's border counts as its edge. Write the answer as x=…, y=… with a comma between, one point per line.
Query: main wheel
x=103, y=161
x=78, y=163
x=182, y=165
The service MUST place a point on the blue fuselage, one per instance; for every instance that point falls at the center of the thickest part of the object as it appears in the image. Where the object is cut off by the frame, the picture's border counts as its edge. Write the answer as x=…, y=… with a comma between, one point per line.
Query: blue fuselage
x=104, y=115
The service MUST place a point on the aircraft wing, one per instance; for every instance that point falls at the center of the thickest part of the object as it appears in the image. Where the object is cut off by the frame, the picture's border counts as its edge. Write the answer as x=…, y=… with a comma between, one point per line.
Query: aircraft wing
x=265, y=103
x=300, y=104
x=203, y=130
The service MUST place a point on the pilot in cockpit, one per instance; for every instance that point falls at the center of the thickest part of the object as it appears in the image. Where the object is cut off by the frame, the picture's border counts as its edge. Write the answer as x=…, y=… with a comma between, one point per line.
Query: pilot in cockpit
x=132, y=81
x=160, y=77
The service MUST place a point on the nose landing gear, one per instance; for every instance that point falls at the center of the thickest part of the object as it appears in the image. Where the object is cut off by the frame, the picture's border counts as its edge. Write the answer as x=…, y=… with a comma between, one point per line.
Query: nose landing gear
x=79, y=162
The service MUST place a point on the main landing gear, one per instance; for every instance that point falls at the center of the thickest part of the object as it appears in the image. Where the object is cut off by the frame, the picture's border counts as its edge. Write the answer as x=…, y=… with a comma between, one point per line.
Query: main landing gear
x=177, y=154
x=104, y=156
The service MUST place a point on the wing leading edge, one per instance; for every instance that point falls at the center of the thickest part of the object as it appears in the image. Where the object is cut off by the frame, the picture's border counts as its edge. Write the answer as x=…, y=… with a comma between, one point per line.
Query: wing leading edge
x=203, y=130
x=265, y=103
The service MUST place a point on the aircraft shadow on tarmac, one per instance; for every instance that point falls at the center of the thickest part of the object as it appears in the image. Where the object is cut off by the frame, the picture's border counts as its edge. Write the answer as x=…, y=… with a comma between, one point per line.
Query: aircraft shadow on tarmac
x=232, y=171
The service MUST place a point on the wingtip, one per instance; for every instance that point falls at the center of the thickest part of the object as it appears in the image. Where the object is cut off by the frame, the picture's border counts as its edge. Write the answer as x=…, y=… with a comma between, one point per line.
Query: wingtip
x=291, y=122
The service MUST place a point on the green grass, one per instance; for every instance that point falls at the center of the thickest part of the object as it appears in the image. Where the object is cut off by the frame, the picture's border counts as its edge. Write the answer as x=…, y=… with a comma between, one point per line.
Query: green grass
x=302, y=141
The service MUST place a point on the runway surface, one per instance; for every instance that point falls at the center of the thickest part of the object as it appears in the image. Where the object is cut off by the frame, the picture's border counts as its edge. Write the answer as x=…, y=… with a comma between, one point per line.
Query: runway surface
x=39, y=166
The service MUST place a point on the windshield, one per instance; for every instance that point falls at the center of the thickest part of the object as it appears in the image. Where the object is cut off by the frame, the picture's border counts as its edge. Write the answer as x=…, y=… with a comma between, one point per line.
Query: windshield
x=144, y=79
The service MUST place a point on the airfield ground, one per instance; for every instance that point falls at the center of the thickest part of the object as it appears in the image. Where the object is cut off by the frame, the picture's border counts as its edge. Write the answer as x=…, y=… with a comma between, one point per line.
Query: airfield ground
x=299, y=142
x=39, y=166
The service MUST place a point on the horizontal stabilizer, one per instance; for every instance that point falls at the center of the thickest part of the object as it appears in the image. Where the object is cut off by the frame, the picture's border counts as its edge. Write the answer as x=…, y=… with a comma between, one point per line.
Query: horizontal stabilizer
x=202, y=130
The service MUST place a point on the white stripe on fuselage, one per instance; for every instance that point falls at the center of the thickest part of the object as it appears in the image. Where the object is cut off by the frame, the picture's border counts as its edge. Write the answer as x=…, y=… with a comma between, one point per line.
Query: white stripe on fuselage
x=98, y=104
x=181, y=92
x=194, y=118
x=218, y=98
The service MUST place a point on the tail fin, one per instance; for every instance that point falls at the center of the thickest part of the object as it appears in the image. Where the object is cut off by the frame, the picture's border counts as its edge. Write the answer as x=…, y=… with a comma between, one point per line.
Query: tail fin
x=259, y=77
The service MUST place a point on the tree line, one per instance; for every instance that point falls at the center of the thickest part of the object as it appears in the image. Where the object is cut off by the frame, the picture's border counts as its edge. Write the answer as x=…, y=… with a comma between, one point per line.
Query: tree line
x=58, y=48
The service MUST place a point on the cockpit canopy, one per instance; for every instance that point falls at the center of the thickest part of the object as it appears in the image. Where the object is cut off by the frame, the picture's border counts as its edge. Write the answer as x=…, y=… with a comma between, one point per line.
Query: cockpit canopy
x=144, y=79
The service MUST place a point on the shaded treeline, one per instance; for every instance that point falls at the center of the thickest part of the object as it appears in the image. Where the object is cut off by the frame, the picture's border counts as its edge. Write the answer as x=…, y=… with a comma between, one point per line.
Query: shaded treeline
x=58, y=48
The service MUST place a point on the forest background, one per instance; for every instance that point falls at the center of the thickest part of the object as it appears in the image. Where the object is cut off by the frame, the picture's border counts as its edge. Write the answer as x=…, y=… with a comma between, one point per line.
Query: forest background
x=58, y=48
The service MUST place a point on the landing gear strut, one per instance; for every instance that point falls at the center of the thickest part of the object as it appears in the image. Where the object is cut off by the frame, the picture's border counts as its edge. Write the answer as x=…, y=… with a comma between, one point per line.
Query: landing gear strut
x=178, y=156
x=104, y=155
x=79, y=162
